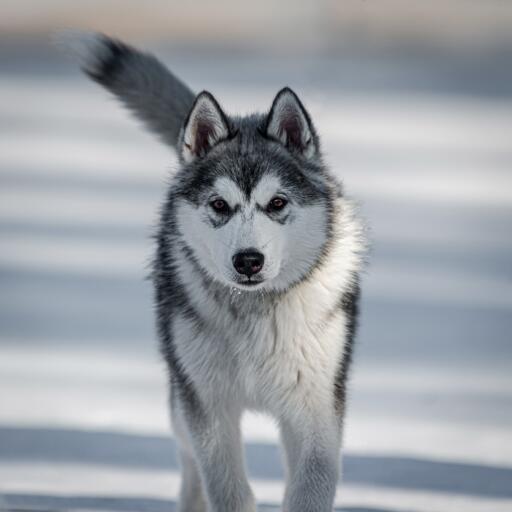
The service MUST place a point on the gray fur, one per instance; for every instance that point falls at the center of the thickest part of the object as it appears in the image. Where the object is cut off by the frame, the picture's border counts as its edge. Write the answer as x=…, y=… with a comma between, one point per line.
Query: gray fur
x=139, y=80
x=280, y=343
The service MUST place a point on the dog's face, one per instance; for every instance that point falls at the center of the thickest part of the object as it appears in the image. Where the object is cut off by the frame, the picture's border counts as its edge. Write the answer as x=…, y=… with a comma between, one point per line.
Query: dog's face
x=253, y=205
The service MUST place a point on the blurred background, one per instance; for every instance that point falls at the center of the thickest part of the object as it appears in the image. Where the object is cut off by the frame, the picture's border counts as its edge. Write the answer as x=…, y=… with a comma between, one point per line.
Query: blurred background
x=413, y=101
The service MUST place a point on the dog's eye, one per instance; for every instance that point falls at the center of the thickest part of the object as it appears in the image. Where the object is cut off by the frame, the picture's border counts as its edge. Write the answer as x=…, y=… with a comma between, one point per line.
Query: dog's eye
x=276, y=204
x=220, y=206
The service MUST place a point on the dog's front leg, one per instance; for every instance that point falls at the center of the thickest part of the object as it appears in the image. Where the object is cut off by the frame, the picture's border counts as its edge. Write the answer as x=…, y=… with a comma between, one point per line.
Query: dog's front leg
x=312, y=450
x=217, y=445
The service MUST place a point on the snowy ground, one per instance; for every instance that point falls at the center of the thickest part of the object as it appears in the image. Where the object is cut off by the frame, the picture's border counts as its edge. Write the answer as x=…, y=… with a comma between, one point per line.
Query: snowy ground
x=83, y=419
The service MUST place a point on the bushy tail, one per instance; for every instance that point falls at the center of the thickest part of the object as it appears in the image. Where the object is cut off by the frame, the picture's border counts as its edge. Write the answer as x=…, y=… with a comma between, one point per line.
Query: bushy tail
x=138, y=79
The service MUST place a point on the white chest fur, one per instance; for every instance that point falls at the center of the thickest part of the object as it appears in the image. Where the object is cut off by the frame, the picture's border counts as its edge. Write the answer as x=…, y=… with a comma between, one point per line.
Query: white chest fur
x=285, y=356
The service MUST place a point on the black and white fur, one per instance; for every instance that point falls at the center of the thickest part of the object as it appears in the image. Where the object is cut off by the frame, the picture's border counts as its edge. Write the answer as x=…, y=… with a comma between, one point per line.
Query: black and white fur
x=275, y=337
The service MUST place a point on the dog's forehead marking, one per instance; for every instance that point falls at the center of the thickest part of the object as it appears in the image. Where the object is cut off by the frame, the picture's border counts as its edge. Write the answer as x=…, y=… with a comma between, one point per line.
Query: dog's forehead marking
x=229, y=190
x=264, y=190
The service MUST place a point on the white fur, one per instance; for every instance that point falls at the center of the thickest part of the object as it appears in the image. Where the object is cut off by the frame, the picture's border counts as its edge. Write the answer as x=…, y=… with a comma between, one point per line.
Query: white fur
x=294, y=337
x=289, y=250
x=283, y=362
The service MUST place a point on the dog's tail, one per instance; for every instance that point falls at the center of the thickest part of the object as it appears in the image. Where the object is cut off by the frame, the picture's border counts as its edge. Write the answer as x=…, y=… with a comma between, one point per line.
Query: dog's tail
x=138, y=79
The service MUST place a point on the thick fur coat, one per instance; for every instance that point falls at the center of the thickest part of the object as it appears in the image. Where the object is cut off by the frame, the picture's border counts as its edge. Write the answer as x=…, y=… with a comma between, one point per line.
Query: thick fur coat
x=256, y=282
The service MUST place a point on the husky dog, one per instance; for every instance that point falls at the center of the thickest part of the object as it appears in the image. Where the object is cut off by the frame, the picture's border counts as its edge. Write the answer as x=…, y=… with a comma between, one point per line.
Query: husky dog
x=256, y=282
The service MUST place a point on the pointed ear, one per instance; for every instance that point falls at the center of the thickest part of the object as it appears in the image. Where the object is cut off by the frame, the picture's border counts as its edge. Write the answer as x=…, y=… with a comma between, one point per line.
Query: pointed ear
x=205, y=126
x=289, y=123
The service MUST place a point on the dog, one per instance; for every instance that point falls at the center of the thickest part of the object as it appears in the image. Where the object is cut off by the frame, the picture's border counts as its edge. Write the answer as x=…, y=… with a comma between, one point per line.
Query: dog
x=256, y=279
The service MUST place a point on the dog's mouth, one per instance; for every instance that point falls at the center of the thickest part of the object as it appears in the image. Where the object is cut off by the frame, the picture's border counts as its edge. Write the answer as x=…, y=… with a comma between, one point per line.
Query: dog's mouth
x=249, y=283
x=252, y=283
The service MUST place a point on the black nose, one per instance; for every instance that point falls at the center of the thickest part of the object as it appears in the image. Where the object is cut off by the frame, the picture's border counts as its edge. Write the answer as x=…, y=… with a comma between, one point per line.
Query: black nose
x=248, y=262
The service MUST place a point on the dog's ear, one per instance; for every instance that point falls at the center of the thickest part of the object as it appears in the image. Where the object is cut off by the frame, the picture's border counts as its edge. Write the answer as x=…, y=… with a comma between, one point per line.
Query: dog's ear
x=206, y=125
x=289, y=123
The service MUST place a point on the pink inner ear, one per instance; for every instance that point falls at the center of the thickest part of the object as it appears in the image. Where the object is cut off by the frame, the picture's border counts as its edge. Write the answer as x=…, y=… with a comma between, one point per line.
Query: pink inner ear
x=202, y=142
x=291, y=125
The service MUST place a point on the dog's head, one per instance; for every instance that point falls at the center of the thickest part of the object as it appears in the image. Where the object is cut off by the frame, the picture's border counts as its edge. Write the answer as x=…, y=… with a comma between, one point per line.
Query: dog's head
x=253, y=201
